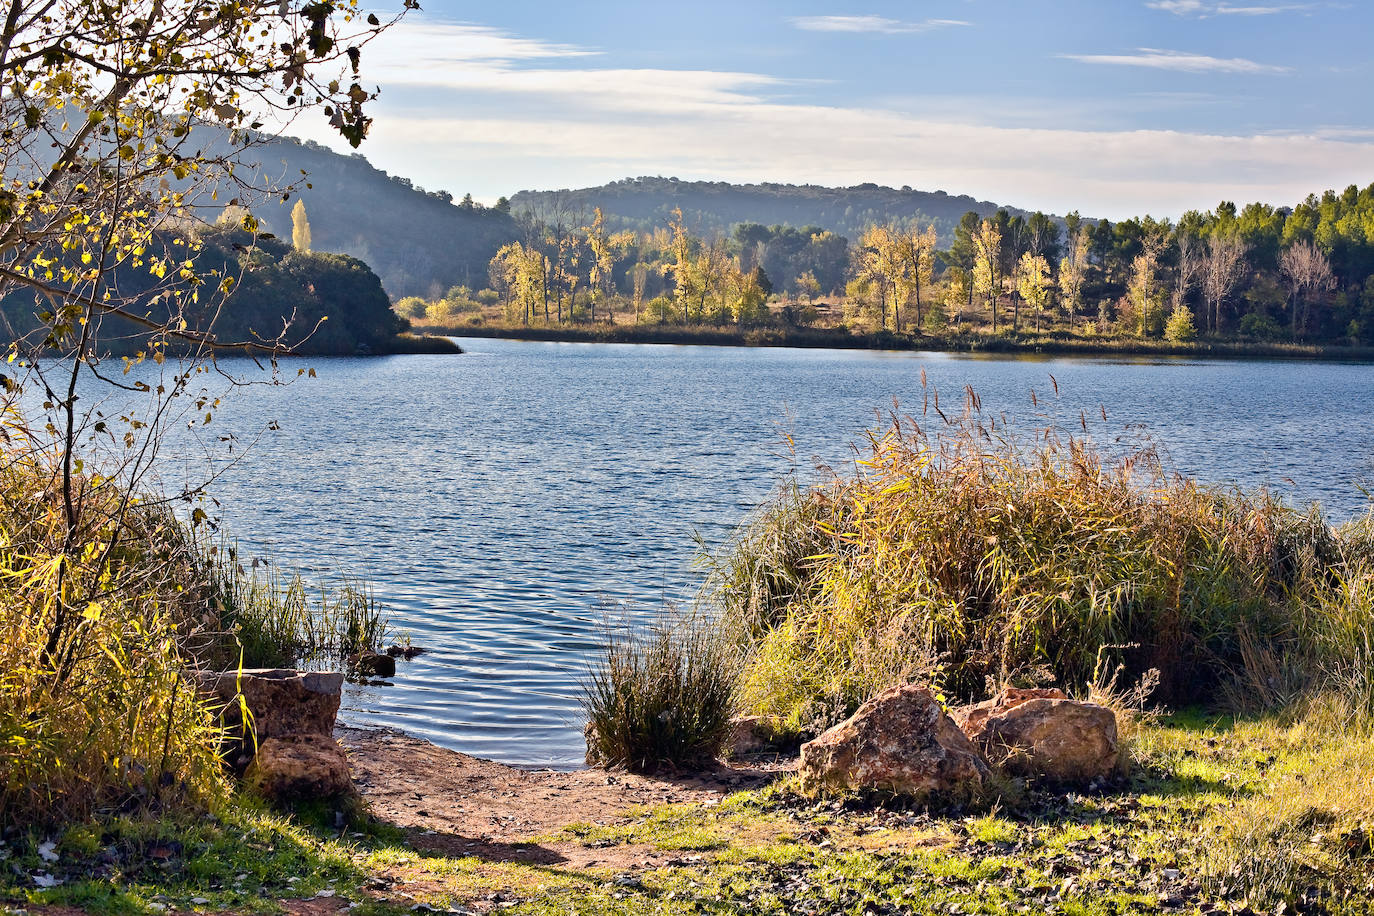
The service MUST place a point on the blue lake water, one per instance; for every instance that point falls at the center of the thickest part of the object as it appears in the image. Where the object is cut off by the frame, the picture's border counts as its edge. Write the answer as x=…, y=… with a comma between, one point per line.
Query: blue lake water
x=507, y=502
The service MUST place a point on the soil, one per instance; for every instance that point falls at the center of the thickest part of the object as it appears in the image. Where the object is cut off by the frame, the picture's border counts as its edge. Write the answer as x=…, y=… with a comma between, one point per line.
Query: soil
x=456, y=805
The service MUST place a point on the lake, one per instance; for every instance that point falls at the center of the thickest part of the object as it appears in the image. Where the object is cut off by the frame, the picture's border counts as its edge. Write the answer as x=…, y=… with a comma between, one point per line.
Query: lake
x=510, y=503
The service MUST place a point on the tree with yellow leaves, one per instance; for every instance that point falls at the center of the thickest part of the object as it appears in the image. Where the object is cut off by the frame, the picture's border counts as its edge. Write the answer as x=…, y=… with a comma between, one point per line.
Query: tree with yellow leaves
x=1034, y=283
x=987, y=279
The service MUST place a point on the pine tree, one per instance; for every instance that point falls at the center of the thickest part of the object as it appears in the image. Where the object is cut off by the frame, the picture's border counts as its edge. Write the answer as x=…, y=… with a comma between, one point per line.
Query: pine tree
x=300, y=227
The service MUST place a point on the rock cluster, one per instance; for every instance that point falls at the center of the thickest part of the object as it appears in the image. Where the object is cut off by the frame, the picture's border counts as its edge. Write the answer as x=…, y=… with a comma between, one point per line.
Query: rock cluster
x=903, y=742
x=279, y=729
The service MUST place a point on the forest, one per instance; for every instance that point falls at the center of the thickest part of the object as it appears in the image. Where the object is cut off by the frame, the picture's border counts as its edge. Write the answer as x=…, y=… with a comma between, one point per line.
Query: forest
x=1256, y=273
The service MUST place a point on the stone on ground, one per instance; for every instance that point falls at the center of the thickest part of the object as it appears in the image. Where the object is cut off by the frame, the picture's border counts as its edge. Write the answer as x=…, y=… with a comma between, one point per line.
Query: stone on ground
x=1043, y=734
x=299, y=768
x=900, y=742
x=757, y=735
x=281, y=702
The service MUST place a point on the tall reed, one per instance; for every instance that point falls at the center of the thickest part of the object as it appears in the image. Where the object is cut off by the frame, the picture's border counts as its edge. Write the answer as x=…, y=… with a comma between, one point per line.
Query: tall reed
x=963, y=554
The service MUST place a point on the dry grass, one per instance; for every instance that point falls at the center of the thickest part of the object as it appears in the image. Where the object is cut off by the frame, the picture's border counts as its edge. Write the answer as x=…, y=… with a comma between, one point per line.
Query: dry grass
x=967, y=556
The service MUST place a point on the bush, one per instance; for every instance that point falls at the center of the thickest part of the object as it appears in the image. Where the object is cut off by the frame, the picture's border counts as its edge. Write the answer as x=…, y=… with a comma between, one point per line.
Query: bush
x=1259, y=326
x=94, y=708
x=98, y=626
x=411, y=307
x=971, y=558
x=1181, y=328
x=664, y=701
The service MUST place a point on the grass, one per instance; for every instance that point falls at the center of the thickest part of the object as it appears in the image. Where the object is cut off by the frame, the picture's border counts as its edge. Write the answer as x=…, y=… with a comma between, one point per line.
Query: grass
x=1220, y=814
x=969, y=557
x=841, y=337
x=271, y=621
x=102, y=609
x=664, y=699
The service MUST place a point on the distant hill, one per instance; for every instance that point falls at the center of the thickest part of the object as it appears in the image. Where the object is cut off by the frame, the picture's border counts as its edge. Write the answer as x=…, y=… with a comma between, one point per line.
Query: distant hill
x=418, y=242
x=716, y=206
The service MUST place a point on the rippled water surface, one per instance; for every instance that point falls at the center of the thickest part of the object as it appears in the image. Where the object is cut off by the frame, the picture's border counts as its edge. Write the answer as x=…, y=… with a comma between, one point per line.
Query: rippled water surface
x=505, y=502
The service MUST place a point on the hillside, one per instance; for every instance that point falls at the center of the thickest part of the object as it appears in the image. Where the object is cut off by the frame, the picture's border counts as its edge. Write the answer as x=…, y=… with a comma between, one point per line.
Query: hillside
x=418, y=242
x=711, y=206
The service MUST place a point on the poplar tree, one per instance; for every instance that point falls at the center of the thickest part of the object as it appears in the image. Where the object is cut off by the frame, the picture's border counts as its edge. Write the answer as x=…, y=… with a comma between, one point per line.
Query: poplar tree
x=300, y=227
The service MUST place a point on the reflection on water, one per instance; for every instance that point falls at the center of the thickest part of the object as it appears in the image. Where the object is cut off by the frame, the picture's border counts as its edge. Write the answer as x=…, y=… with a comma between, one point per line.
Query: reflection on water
x=506, y=502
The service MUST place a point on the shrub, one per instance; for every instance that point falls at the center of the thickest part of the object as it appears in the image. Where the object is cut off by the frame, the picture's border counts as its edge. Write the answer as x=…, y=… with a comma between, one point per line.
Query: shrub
x=1260, y=326
x=94, y=709
x=1180, y=328
x=664, y=700
x=411, y=307
x=971, y=557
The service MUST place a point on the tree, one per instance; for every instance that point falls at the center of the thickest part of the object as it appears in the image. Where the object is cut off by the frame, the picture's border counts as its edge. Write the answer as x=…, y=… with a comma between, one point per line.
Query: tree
x=1034, y=283
x=809, y=286
x=1144, y=293
x=1221, y=271
x=1073, y=268
x=1180, y=327
x=918, y=251
x=987, y=278
x=1305, y=270
x=300, y=227
x=121, y=120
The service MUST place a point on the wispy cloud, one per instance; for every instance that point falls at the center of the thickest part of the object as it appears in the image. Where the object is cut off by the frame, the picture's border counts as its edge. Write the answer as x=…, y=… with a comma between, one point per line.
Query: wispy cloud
x=1178, y=61
x=444, y=43
x=872, y=24
x=1201, y=9
x=512, y=114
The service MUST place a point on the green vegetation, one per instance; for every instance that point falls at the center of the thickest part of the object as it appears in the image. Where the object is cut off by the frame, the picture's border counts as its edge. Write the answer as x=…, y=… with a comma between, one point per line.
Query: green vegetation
x=968, y=557
x=99, y=623
x=419, y=242
x=1221, y=814
x=716, y=207
x=665, y=700
x=283, y=295
x=1252, y=277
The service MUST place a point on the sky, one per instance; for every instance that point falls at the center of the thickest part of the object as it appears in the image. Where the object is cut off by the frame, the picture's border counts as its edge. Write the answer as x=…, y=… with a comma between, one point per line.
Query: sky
x=1114, y=108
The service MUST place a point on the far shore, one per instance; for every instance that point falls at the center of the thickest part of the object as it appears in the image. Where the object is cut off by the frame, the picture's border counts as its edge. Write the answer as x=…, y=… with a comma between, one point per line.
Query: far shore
x=841, y=339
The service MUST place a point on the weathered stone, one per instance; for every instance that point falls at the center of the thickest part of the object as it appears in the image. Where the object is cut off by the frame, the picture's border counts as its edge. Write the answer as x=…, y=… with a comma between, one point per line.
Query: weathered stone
x=901, y=742
x=758, y=735
x=299, y=768
x=972, y=718
x=280, y=702
x=1044, y=735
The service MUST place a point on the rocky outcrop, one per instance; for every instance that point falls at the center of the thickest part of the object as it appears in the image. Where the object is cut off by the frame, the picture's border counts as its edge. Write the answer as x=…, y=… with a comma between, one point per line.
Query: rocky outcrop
x=281, y=702
x=1042, y=734
x=900, y=742
x=299, y=767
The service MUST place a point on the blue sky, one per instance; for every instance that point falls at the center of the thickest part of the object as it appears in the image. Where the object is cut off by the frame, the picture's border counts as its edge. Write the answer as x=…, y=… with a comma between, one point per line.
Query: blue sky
x=1114, y=108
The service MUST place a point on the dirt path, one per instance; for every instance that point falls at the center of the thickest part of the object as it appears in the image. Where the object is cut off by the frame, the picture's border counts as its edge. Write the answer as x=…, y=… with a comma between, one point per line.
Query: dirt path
x=458, y=805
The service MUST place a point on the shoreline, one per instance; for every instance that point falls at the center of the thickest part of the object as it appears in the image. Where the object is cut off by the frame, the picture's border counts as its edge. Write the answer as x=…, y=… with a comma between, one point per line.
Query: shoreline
x=837, y=340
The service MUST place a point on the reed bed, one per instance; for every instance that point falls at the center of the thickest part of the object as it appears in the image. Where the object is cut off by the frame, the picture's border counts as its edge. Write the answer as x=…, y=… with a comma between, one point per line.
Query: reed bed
x=967, y=556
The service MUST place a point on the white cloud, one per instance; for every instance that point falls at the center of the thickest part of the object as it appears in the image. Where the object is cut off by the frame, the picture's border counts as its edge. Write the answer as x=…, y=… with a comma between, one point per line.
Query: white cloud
x=1201, y=10
x=534, y=115
x=872, y=24
x=425, y=44
x=1177, y=60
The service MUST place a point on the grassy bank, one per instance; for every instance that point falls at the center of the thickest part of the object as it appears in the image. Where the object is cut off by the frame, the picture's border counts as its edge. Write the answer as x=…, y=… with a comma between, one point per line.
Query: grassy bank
x=105, y=602
x=1221, y=815
x=842, y=338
